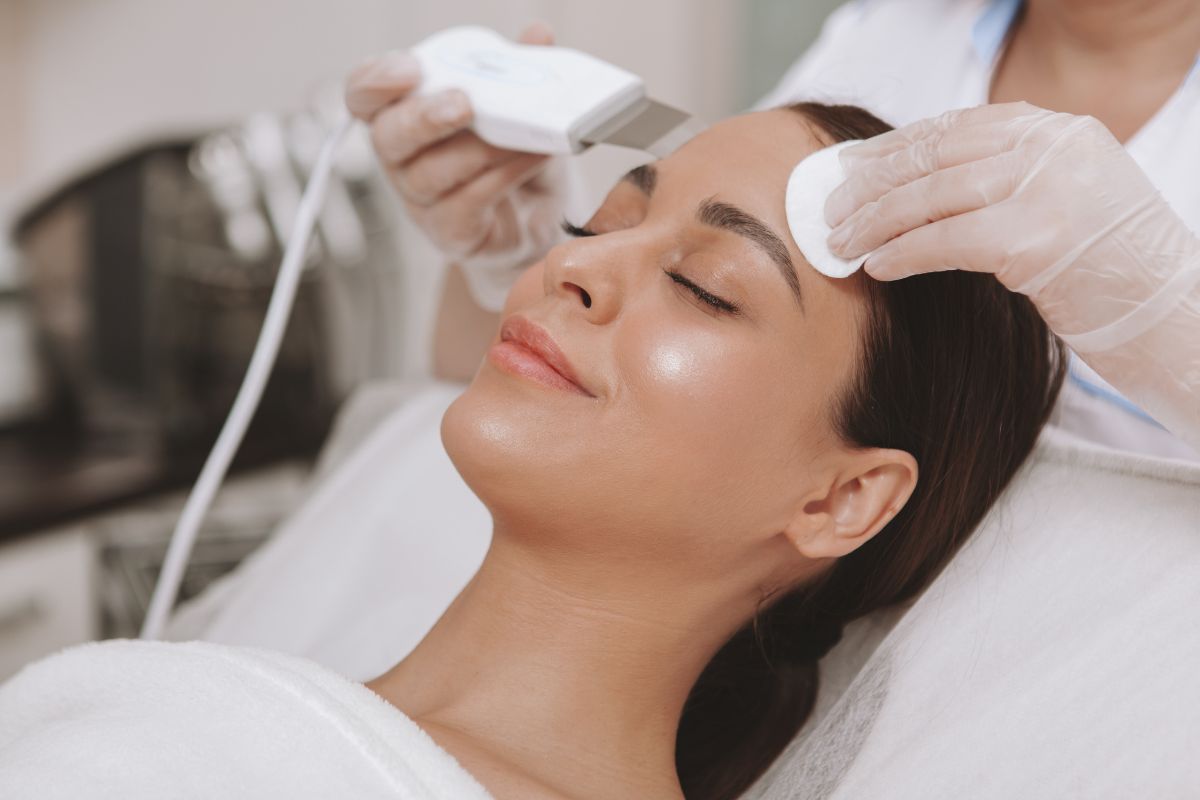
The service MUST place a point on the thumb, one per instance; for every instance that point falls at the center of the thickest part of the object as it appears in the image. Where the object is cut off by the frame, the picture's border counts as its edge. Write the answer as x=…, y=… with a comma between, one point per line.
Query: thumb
x=536, y=33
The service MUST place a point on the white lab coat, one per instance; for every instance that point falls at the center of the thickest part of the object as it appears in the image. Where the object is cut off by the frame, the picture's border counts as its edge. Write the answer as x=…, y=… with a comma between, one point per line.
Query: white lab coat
x=907, y=60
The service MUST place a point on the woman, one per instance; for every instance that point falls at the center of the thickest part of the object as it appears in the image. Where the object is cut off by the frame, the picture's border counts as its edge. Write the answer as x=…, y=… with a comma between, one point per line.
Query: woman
x=701, y=458
x=1130, y=64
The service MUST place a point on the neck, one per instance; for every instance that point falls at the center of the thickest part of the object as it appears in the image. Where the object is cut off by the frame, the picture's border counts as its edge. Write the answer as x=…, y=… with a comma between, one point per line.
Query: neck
x=591, y=662
x=1116, y=60
x=1154, y=33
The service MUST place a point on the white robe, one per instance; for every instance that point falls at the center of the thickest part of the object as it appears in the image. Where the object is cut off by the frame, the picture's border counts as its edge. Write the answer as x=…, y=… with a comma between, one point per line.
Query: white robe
x=128, y=720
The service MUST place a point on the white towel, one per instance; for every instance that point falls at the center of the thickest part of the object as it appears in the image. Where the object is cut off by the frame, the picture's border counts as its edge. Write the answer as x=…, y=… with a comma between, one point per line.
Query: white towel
x=127, y=719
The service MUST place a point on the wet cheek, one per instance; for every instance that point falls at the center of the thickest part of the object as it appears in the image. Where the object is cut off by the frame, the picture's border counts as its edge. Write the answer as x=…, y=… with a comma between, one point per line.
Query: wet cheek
x=670, y=364
x=707, y=415
x=684, y=372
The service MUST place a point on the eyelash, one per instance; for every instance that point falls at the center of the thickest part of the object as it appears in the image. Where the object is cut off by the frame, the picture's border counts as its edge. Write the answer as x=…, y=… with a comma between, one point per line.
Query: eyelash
x=575, y=230
x=703, y=295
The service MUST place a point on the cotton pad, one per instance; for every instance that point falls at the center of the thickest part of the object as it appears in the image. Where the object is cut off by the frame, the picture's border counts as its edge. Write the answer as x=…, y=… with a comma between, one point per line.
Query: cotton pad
x=811, y=183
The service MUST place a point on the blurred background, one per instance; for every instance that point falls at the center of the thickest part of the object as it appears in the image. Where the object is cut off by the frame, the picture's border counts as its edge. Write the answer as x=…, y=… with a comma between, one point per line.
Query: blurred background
x=152, y=153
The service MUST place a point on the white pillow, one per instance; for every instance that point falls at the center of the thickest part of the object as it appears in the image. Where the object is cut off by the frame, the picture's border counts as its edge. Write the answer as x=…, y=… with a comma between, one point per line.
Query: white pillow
x=1057, y=656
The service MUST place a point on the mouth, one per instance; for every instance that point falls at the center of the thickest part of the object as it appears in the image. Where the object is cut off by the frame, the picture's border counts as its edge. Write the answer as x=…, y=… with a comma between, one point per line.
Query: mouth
x=527, y=350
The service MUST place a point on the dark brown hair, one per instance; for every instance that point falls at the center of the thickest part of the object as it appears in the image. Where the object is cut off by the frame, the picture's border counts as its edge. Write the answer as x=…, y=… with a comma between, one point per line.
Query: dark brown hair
x=955, y=370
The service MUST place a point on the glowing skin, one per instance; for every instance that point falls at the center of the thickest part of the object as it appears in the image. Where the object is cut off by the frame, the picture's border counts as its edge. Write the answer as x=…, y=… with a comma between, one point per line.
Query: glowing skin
x=637, y=529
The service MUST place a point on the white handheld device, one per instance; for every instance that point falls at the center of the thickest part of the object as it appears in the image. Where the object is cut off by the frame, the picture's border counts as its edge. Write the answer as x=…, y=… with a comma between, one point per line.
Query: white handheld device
x=544, y=99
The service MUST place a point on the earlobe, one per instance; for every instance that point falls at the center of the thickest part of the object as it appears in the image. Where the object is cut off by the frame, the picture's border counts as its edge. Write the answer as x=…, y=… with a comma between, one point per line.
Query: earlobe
x=864, y=498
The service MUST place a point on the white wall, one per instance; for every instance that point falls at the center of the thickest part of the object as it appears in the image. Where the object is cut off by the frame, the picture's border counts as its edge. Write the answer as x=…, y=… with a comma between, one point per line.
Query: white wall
x=99, y=75
x=94, y=77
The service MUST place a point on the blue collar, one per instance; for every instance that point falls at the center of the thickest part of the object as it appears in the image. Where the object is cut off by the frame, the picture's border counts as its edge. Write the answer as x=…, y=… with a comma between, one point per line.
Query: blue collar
x=993, y=24
x=992, y=27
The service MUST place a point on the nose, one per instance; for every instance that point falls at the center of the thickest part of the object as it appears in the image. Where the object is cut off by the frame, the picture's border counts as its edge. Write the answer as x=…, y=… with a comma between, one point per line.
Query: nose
x=583, y=273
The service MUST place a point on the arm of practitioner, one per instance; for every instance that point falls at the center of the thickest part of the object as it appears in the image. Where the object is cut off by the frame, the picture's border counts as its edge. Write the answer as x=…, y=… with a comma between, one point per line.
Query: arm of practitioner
x=490, y=211
x=1054, y=206
x=462, y=330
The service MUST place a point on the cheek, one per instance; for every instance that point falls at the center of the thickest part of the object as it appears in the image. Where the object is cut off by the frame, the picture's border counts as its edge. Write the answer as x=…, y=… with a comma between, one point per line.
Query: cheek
x=668, y=371
x=719, y=415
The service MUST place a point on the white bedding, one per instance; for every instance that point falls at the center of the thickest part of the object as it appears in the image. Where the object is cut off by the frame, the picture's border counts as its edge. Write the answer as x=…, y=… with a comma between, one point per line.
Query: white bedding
x=1057, y=656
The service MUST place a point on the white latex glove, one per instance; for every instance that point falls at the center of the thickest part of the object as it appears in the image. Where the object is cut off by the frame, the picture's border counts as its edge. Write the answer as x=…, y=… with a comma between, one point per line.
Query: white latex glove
x=493, y=211
x=1054, y=207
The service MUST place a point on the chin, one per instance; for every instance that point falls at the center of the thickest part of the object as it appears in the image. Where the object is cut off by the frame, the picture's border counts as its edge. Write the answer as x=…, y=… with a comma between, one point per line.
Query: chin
x=521, y=454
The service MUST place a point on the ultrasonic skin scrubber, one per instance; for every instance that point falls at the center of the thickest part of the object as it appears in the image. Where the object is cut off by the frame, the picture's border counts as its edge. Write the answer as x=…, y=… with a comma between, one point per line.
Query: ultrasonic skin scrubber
x=535, y=98
x=547, y=99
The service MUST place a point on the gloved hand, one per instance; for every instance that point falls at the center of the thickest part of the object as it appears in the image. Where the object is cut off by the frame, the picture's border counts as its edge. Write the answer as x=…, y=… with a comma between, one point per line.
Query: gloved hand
x=493, y=211
x=1054, y=206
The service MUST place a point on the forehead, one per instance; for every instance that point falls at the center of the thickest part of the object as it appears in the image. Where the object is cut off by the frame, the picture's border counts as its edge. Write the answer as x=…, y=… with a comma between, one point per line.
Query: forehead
x=747, y=159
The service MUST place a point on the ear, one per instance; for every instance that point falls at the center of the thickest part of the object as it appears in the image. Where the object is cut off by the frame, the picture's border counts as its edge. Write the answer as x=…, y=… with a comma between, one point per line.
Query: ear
x=868, y=490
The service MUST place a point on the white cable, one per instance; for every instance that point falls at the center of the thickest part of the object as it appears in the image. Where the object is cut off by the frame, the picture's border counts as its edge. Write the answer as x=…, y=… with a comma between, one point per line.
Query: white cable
x=249, y=395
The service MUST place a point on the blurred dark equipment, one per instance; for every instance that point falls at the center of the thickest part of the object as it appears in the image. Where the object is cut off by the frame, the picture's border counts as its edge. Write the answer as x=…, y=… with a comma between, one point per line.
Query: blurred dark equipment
x=148, y=280
x=147, y=322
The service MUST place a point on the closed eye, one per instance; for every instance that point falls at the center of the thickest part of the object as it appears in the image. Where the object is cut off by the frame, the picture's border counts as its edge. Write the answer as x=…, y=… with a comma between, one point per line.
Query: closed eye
x=711, y=300
x=575, y=230
x=703, y=295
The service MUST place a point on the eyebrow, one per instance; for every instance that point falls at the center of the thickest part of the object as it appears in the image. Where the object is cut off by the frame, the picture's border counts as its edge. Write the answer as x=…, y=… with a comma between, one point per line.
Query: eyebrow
x=729, y=217
x=644, y=177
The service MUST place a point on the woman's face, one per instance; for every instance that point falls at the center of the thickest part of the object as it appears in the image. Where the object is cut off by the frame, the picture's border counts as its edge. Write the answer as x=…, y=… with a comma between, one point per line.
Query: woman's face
x=707, y=354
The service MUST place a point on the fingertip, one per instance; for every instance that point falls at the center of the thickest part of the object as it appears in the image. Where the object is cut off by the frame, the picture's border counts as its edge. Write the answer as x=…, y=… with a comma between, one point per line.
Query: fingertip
x=837, y=208
x=851, y=239
x=536, y=32
x=853, y=156
x=838, y=242
x=395, y=66
x=449, y=110
x=380, y=81
x=878, y=269
x=533, y=166
x=848, y=154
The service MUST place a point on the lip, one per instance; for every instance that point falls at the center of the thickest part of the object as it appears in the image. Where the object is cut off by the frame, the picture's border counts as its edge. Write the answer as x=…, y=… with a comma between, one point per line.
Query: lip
x=527, y=350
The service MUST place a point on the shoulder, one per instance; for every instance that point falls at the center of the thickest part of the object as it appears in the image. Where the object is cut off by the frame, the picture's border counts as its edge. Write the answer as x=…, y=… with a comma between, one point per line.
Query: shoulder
x=899, y=16
x=887, y=55
x=106, y=718
x=142, y=716
x=120, y=672
x=883, y=30
x=131, y=674
x=144, y=695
